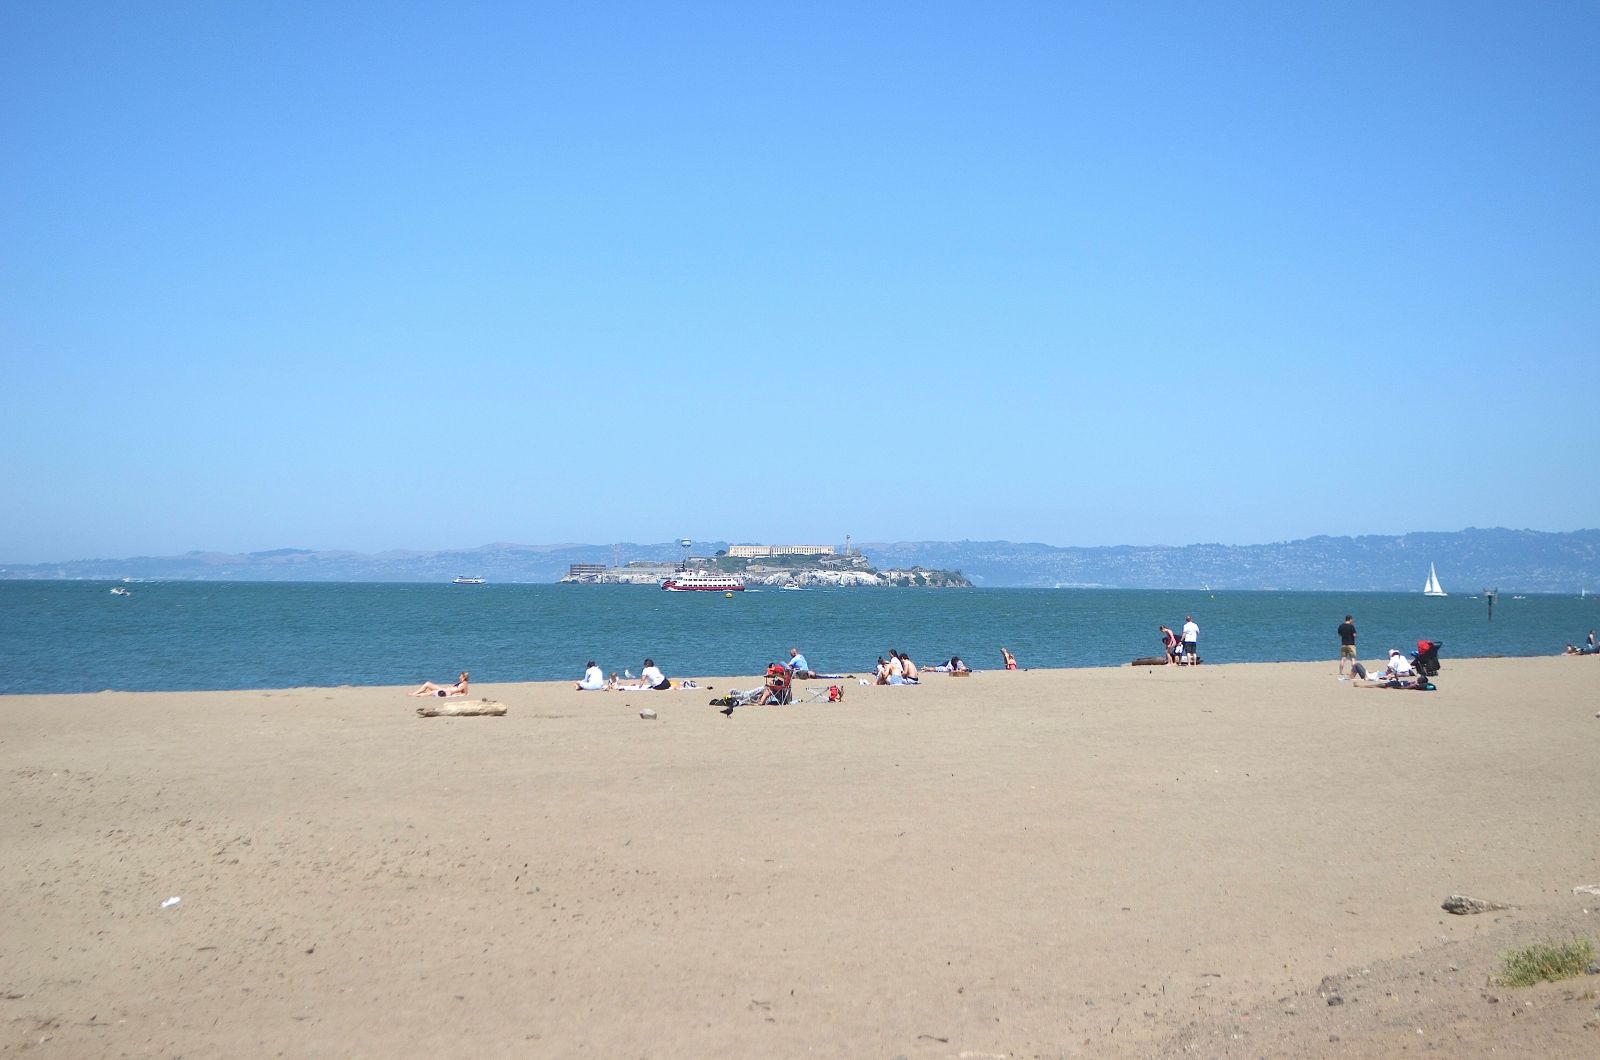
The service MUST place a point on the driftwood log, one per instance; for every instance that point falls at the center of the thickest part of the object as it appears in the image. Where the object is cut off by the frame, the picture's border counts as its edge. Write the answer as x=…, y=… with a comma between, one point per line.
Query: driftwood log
x=462, y=708
x=1466, y=905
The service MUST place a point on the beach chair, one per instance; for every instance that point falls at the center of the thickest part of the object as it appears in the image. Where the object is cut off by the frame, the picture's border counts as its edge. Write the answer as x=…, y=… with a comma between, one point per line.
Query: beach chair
x=779, y=689
x=828, y=694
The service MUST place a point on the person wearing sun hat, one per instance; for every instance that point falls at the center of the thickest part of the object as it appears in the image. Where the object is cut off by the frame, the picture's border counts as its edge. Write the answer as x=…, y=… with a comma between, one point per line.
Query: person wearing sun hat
x=1399, y=665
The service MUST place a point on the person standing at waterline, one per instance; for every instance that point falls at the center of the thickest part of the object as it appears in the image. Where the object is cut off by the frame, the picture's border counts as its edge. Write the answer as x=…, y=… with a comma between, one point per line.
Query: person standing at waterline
x=1191, y=641
x=1347, y=642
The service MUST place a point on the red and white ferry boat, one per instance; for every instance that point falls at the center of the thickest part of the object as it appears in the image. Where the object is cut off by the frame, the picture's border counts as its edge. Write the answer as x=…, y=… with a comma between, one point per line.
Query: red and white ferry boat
x=698, y=581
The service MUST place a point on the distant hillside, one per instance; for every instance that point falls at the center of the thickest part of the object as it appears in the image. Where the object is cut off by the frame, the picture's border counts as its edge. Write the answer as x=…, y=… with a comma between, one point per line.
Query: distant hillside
x=1468, y=560
x=499, y=562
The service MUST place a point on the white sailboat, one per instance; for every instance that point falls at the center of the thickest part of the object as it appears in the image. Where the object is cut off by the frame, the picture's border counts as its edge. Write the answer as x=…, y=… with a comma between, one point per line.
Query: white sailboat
x=1433, y=588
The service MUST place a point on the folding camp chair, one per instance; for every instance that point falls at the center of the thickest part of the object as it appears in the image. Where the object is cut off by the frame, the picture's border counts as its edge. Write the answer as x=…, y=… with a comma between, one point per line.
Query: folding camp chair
x=826, y=694
x=779, y=688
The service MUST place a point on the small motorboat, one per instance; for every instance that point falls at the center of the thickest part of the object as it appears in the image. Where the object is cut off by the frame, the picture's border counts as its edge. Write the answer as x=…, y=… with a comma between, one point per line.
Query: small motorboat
x=118, y=590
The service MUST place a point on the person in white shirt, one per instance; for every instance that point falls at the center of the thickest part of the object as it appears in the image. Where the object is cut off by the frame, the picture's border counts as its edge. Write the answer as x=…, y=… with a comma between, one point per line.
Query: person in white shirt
x=652, y=678
x=594, y=679
x=1191, y=640
x=1399, y=665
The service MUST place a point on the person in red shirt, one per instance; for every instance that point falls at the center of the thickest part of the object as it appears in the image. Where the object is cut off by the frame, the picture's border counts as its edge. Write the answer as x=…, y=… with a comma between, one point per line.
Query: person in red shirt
x=777, y=685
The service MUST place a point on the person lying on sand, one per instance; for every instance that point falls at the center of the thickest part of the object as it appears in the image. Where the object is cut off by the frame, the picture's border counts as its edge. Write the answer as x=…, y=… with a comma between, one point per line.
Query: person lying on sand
x=428, y=688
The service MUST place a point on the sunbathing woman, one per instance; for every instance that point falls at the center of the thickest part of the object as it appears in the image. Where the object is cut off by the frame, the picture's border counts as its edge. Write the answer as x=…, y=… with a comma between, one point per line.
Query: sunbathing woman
x=458, y=689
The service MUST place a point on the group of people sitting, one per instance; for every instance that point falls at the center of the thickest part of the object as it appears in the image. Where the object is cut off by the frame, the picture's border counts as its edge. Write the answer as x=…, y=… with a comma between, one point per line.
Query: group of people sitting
x=898, y=669
x=1398, y=669
x=885, y=671
x=1589, y=647
x=1399, y=673
x=651, y=679
x=780, y=678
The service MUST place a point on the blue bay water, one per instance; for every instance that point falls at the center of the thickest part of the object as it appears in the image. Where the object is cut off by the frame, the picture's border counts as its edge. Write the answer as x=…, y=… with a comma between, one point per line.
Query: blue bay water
x=77, y=637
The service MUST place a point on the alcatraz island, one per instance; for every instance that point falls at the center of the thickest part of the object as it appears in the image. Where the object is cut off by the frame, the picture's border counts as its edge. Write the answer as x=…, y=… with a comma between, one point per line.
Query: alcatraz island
x=779, y=566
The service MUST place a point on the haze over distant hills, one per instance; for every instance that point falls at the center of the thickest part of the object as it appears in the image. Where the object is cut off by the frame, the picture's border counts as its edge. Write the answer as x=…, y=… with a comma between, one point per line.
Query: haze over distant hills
x=1467, y=561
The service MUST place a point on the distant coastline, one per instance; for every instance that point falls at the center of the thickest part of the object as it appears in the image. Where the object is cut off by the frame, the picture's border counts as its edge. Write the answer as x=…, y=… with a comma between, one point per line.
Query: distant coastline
x=1467, y=562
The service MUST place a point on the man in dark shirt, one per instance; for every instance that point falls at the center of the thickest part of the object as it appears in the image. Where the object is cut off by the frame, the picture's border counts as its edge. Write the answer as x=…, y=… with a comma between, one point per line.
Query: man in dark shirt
x=1347, y=643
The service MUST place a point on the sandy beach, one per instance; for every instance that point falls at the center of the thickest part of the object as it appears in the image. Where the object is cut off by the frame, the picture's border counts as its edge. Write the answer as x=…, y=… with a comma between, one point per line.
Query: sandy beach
x=1242, y=860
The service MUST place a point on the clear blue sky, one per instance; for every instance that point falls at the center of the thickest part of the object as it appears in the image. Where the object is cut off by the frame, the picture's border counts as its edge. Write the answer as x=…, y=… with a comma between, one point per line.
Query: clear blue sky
x=370, y=276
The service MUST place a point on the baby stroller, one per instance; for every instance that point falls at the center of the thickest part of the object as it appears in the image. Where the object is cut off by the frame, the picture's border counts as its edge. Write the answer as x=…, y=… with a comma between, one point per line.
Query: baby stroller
x=1426, y=660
